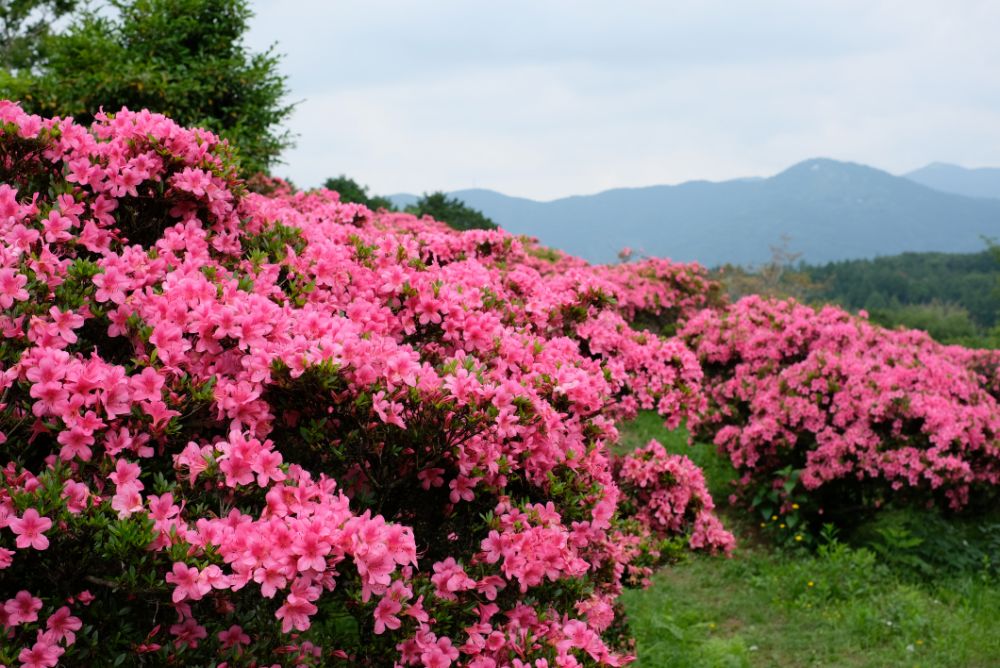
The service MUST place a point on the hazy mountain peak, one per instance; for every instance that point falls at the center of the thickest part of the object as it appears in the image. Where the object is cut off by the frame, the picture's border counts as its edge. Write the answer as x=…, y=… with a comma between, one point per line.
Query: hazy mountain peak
x=974, y=182
x=815, y=164
x=825, y=167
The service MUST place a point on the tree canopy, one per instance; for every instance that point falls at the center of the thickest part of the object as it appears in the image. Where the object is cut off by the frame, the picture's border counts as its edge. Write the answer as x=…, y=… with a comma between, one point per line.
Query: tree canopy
x=451, y=210
x=182, y=58
x=24, y=24
x=352, y=191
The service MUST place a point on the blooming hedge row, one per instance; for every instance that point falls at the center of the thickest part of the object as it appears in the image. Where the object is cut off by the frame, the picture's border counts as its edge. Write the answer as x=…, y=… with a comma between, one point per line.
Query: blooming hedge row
x=824, y=413
x=249, y=429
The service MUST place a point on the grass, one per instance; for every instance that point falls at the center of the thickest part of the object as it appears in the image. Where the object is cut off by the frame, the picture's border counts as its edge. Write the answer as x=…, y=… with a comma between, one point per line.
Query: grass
x=894, y=597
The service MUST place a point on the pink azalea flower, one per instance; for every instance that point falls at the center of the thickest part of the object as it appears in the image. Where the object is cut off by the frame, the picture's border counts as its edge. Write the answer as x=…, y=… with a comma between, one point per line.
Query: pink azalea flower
x=294, y=614
x=43, y=654
x=385, y=615
x=233, y=637
x=188, y=632
x=188, y=583
x=12, y=287
x=30, y=530
x=62, y=624
x=23, y=608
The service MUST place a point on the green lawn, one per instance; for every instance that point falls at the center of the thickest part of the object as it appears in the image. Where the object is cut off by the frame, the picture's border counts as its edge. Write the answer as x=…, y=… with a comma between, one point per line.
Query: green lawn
x=928, y=599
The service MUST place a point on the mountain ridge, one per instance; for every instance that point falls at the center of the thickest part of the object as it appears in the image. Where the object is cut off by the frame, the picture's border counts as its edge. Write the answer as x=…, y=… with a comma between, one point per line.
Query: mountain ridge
x=830, y=210
x=971, y=182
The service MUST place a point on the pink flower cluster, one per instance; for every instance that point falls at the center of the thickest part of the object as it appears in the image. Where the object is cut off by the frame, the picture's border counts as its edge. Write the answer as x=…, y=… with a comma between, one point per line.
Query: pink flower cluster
x=282, y=411
x=655, y=293
x=51, y=637
x=667, y=493
x=842, y=405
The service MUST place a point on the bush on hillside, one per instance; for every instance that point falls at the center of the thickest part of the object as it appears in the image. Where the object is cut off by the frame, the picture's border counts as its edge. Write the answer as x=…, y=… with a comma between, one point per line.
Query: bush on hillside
x=828, y=417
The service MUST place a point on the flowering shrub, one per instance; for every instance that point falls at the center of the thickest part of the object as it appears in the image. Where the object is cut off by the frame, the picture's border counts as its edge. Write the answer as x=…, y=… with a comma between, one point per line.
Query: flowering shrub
x=652, y=293
x=822, y=412
x=667, y=493
x=984, y=363
x=276, y=429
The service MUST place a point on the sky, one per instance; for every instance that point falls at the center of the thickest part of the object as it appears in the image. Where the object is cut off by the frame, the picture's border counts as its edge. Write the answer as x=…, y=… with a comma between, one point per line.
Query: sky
x=549, y=98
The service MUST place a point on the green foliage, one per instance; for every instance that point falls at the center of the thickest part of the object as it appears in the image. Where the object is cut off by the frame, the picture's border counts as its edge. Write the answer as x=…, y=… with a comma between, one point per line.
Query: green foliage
x=780, y=511
x=182, y=58
x=952, y=291
x=906, y=588
x=351, y=191
x=24, y=26
x=953, y=297
x=948, y=323
x=838, y=607
x=451, y=210
x=541, y=252
x=925, y=545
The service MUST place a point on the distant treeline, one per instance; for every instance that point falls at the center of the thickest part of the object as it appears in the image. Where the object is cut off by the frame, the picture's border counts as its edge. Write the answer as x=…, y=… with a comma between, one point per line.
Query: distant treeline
x=954, y=297
x=965, y=280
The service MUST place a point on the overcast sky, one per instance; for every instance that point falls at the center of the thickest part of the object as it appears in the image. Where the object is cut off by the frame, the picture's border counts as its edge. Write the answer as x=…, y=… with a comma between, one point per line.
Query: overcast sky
x=548, y=98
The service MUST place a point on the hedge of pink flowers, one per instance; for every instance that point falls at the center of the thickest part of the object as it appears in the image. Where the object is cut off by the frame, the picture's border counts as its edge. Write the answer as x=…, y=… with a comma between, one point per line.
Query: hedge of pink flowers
x=822, y=410
x=276, y=429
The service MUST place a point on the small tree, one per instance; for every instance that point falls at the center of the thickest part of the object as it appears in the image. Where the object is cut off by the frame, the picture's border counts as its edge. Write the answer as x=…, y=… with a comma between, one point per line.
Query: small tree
x=351, y=191
x=183, y=58
x=451, y=210
x=775, y=278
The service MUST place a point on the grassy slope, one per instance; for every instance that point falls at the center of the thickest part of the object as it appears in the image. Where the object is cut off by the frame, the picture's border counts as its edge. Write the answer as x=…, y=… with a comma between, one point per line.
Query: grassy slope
x=839, y=607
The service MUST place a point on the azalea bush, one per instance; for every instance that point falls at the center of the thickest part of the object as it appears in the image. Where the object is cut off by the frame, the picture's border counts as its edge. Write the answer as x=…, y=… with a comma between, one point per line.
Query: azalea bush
x=827, y=417
x=249, y=429
x=668, y=494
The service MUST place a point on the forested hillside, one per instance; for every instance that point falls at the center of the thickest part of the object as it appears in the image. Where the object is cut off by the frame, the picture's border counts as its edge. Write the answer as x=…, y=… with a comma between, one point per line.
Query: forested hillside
x=968, y=281
x=953, y=296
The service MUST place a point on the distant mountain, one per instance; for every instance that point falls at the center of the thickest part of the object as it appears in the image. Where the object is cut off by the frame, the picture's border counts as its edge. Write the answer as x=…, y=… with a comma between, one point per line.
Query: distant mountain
x=980, y=182
x=828, y=210
x=403, y=200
